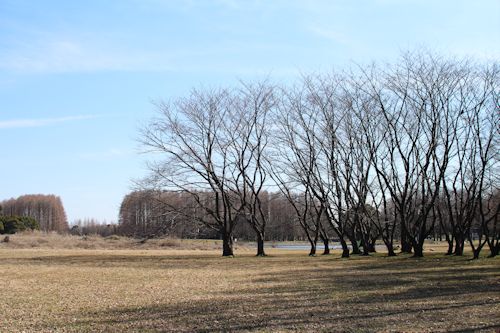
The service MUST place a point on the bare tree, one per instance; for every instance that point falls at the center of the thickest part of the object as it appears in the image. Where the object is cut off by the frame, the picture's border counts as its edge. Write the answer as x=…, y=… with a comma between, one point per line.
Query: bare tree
x=294, y=163
x=214, y=143
x=408, y=150
x=248, y=134
x=414, y=100
x=358, y=174
x=374, y=203
x=312, y=136
x=485, y=166
x=191, y=137
x=148, y=214
x=308, y=212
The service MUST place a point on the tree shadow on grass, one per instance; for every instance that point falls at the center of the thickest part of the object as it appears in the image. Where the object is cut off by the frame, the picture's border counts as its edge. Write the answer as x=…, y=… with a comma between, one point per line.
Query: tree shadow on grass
x=354, y=297
x=117, y=260
x=238, y=315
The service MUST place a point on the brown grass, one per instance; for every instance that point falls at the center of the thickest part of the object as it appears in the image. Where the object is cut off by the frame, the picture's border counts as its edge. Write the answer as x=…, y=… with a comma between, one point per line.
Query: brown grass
x=82, y=290
x=53, y=240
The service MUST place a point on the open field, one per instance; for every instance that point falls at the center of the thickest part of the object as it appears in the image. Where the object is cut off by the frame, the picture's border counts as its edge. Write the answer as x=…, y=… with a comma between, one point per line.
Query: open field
x=93, y=290
x=53, y=240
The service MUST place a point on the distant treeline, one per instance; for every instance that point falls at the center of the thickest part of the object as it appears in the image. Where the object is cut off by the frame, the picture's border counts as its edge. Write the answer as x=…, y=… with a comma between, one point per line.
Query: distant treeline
x=157, y=213
x=92, y=226
x=46, y=210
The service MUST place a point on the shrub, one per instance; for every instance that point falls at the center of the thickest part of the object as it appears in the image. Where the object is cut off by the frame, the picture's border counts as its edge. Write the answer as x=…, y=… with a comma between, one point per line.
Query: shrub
x=13, y=224
x=29, y=223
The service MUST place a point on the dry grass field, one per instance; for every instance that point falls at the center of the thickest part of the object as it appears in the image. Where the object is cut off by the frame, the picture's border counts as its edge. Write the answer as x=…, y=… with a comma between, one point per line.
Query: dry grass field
x=48, y=288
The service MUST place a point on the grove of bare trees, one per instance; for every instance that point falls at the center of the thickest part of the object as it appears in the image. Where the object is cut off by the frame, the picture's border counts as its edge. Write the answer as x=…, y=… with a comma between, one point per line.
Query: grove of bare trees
x=46, y=210
x=378, y=153
x=147, y=214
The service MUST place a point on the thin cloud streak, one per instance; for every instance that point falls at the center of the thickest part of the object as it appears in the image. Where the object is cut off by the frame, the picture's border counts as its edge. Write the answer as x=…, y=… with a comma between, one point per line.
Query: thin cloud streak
x=28, y=123
x=63, y=56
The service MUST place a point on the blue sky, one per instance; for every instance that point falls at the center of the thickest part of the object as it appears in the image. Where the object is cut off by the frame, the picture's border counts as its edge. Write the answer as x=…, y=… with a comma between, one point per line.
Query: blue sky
x=77, y=78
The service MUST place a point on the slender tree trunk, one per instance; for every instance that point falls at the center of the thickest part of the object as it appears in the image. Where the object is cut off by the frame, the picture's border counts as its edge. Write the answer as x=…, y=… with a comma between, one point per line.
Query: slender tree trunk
x=449, y=240
x=260, y=245
x=406, y=245
x=312, y=252
x=326, y=244
x=388, y=241
x=459, y=247
x=494, y=249
x=418, y=249
x=354, y=244
x=494, y=246
x=476, y=253
x=345, y=248
x=449, y=252
x=227, y=243
x=476, y=250
x=371, y=247
x=366, y=251
x=390, y=250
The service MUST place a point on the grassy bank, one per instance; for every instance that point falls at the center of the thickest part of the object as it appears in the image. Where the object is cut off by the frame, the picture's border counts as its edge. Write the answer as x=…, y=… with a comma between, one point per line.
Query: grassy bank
x=149, y=290
x=53, y=240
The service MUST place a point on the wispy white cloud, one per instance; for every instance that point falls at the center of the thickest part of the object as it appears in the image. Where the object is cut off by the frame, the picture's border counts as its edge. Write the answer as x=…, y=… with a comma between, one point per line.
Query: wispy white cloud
x=41, y=122
x=65, y=56
x=59, y=55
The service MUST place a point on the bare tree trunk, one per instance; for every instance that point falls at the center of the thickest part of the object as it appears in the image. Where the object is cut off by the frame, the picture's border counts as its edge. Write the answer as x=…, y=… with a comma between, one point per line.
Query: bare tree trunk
x=476, y=250
x=406, y=246
x=260, y=245
x=366, y=250
x=312, y=252
x=476, y=253
x=390, y=250
x=459, y=247
x=493, y=241
x=450, y=248
x=326, y=243
x=354, y=244
x=227, y=244
x=345, y=248
x=449, y=240
x=494, y=250
x=312, y=240
x=418, y=248
x=371, y=247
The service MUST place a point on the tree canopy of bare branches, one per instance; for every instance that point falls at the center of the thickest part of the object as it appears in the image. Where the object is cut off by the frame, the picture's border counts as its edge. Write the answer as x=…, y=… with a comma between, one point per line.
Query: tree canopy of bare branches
x=213, y=143
x=407, y=150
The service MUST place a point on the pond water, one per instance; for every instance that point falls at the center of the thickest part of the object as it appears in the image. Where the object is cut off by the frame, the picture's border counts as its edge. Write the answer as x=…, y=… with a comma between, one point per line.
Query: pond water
x=319, y=247
x=302, y=247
